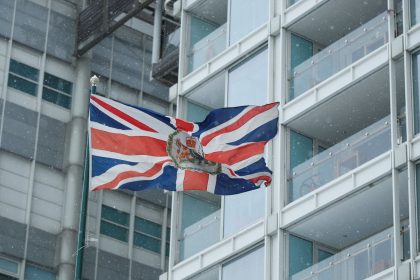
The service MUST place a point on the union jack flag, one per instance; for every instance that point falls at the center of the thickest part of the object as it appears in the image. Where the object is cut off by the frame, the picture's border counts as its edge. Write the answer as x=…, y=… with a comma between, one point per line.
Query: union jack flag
x=136, y=148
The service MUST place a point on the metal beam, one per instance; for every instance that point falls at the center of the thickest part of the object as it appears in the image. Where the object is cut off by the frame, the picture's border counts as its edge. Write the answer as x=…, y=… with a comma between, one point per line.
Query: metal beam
x=106, y=30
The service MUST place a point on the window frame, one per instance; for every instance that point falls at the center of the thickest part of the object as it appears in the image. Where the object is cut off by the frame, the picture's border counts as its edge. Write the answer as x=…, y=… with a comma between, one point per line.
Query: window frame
x=57, y=91
x=125, y=227
x=20, y=76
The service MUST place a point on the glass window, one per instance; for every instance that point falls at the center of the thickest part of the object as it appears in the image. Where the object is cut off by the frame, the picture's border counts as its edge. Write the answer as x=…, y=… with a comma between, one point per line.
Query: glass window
x=200, y=222
x=35, y=273
x=246, y=87
x=207, y=37
x=415, y=11
x=9, y=266
x=300, y=254
x=210, y=274
x=301, y=50
x=416, y=92
x=147, y=234
x=301, y=149
x=196, y=113
x=418, y=204
x=247, y=267
x=115, y=223
x=323, y=255
x=57, y=90
x=6, y=277
x=245, y=17
x=23, y=77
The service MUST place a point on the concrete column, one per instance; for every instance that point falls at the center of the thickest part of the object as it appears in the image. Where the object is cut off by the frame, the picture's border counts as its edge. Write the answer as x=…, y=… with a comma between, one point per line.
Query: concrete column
x=74, y=162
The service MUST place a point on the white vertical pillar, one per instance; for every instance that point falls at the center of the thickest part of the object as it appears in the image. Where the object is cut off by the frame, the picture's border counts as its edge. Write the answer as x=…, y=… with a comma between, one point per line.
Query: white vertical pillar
x=409, y=132
x=76, y=142
x=394, y=140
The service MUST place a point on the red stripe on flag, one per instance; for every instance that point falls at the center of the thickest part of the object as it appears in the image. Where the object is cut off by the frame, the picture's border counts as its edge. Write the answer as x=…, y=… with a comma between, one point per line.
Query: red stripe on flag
x=236, y=155
x=265, y=178
x=184, y=125
x=130, y=174
x=240, y=122
x=123, y=115
x=127, y=145
x=194, y=180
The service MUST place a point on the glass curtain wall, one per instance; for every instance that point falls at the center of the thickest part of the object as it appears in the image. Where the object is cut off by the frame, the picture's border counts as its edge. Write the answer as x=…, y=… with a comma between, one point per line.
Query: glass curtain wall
x=246, y=87
x=247, y=266
x=211, y=29
x=245, y=17
x=200, y=213
x=416, y=91
x=415, y=12
x=301, y=50
x=200, y=229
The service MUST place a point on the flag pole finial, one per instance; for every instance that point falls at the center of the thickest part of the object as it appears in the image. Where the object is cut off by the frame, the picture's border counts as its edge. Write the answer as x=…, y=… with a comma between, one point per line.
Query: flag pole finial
x=94, y=80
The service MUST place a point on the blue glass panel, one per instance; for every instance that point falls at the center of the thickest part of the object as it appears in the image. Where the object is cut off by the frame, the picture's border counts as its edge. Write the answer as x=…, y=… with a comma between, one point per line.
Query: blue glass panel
x=114, y=231
x=245, y=17
x=147, y=242
x=35, y=273
x=22, y=85
x=322, y=255
x=23, y=70
x=416, y=92
x=9, y=266
x=148, y=227
x=247, y=267
x=56, y=98
x=418, y=201
x=415, y=11
x=300, y=254
x=301, y=149
x=301, y=50
x=57, y=83
x=115, y=215
x=196, y=113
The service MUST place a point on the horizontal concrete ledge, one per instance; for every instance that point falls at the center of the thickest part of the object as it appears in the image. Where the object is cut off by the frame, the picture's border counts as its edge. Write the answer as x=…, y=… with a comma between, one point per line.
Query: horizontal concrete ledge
x=219, y=251
x=335, y=84
x=336, y=189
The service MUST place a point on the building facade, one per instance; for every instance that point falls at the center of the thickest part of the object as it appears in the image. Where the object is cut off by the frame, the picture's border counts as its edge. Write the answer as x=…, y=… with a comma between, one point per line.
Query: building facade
x=44, y=91
x=344, y=199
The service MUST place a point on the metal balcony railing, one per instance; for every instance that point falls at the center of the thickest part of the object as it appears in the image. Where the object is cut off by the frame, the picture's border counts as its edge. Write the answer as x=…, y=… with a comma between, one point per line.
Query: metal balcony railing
x=207, y=48
x=360, y=261
x=352, y=47
x=340, y=159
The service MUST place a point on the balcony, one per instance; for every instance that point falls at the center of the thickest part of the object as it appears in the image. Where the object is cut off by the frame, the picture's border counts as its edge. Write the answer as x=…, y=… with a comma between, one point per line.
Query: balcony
x=207, y=48
x=200, y=235
x=339, y=159
x=360, y=42
x=352, y=238
x=360, y=261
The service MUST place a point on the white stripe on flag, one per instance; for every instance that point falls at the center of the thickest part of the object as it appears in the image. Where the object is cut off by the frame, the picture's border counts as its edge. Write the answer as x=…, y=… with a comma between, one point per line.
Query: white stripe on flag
x=211, y=184
x=180, y=174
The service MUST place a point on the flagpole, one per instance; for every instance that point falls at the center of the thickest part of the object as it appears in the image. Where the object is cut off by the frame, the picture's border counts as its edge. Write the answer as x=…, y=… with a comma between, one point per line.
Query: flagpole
x=83, y=204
